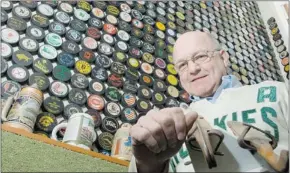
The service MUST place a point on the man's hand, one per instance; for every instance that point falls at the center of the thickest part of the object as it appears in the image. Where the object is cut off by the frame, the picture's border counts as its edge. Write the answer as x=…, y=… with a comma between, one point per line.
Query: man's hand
x=158, y=136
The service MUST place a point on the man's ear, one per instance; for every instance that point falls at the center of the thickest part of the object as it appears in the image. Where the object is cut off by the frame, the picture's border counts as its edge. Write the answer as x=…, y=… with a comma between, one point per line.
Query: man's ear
x=225, y=56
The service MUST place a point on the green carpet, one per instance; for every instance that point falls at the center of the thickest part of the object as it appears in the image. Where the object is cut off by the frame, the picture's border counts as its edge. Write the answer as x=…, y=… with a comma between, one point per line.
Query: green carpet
x=21, y=154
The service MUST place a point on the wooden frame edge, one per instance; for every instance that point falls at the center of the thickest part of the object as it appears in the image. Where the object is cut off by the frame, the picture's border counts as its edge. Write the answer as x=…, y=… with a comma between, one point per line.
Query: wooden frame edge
x=63, y=145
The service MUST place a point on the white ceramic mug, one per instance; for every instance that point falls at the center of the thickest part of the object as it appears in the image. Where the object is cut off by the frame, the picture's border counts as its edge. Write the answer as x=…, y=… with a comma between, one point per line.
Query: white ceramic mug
x=79, y=131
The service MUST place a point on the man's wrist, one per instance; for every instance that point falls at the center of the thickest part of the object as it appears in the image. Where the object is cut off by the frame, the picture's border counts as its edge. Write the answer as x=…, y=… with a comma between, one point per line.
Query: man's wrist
x=162, y=167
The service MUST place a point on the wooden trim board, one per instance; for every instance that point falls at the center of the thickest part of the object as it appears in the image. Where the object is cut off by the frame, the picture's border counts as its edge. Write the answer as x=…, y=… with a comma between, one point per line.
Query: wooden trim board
x=63, y=145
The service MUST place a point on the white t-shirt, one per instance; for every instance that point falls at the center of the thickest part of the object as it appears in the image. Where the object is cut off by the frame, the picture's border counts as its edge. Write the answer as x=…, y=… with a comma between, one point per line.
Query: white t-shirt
x=264, y=105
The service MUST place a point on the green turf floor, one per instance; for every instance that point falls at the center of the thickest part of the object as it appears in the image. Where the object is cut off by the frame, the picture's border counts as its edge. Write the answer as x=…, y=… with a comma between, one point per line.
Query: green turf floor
x=21, y=154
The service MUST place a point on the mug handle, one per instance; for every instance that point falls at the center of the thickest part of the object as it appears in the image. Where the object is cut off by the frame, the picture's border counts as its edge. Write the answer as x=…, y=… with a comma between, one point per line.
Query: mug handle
x=56, y=129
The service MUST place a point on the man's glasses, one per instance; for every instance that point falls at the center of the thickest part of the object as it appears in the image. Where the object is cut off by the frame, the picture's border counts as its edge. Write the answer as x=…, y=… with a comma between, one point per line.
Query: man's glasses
x=200, y=58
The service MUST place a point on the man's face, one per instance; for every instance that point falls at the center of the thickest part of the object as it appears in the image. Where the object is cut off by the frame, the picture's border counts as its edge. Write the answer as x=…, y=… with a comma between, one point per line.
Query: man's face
x=200, y=80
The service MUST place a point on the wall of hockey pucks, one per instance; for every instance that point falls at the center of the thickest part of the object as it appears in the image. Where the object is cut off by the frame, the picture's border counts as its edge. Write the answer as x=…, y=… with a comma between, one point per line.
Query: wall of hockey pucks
x=113, y=59
x=279, y=44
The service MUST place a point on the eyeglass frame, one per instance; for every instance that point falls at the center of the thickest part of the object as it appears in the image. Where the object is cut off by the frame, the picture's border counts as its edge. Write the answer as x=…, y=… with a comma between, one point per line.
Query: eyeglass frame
x=193, y=59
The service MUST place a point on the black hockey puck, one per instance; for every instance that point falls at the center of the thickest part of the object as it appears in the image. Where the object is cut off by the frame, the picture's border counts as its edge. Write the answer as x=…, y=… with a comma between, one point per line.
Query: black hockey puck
x=71, y=109
x=77, y=96
x=40, y=79
x=53, y=105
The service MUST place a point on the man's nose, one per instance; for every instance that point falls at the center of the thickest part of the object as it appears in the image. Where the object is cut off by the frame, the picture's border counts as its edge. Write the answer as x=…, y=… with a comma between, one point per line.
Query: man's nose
x=193, y=68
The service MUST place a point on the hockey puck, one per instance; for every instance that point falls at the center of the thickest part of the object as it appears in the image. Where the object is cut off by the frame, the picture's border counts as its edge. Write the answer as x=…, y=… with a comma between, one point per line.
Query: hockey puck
x=45, y=121
x=144, y=92
x=83, y=67
x=128, y=100
x=129, y=115
x=40, y=79
x=59, y=89
x=79, y=81
x=18, y=73
x=47, y=51
x=99, y=73
x=96, y=87
x=53, y=105
x=96, y=102
x=143, y=106
x=112, y=109
x=65, y=59
x=110, y=125
x=77, y=96
x=22, y=57
x=105, y=139
x=9, y=88
x=61, y=73
x=71, y=109
x=113, y=94
x=42, y=65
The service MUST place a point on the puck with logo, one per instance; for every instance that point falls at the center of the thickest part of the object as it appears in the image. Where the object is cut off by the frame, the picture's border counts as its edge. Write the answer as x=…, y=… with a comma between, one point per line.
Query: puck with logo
x=146, y=80
x=159, y=74
x=113, y=94
x=87, y=55
x=53, y=39
x=57, y=28
x=105, y=139
x=99, y=73
x=79, y=81
x=18, y=73
x=172, y=91
x=83, y=67
x=110, y=125
x=47, y=51
x=129, y=115
x=70, y=47
x=115, y=80
x=40, y=79
x=77, y=96
x=61, y=73
x=103, y=61
x=73, y=35
x=6, y=51
x=66, y=59
x=17, y=24
x=9, y=36
x=9, y=88
x=171, y=80
x=40, y=21
x=118, y=68
x=53, y=105
x=130, y=86
x=105, y=49
x=143, y=106
x=128, y=100
x=22, y=57
x=71, y=109
x=45, y=121
x=112, y=109
x=42, y=65
x=144, y=92
x=158, y=98
x=159, y=85
x=119, y=56
x=96, y=87
x=59, y=89
x=133, y=63
x=96, y=102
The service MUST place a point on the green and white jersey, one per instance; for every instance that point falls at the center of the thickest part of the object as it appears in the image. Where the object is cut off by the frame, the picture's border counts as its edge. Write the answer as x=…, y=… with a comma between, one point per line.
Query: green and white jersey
x=264, y=105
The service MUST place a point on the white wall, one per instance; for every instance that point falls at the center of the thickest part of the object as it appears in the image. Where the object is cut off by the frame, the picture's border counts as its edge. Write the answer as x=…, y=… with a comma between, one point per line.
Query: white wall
x=275, y=9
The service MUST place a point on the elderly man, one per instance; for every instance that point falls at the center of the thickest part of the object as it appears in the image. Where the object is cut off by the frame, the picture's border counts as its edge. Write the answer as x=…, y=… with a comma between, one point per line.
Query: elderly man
x=158, y=138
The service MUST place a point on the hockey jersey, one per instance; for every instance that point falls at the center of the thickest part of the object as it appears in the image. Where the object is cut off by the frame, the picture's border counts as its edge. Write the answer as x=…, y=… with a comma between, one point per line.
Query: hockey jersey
x=264, y=105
